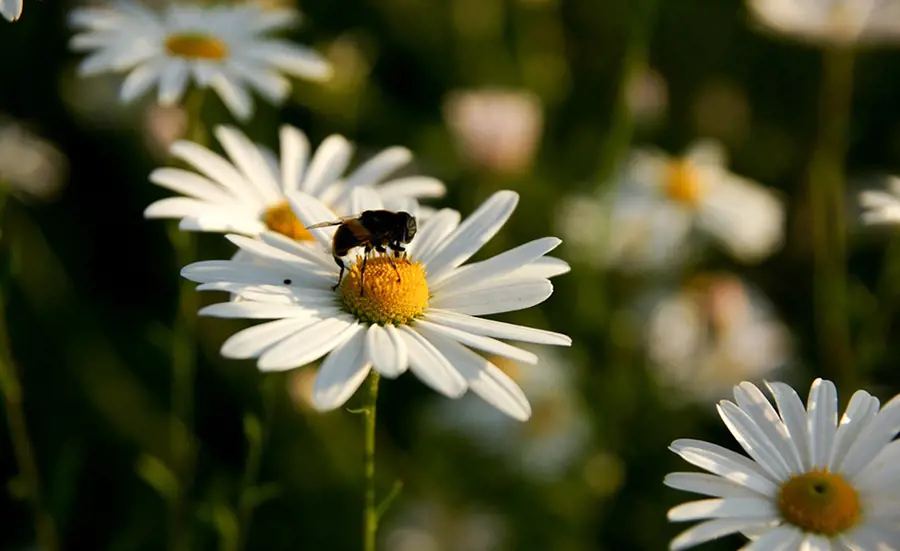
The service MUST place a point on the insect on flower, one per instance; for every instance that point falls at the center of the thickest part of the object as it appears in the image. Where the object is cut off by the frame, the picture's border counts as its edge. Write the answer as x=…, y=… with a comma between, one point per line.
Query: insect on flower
x=373, y=229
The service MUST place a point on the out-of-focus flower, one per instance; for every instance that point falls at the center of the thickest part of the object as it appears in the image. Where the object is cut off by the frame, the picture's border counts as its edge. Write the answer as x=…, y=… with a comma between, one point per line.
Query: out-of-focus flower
x=548, y=443
x=647, y=96
x=163, y=126
x=809, y=483
x=882, y=207
x=712, y=334
x=664, y=201
x=431, y=525
x=249, y=194
x=495, y=129
x=580, y=220
x=420, y=311
x=831, y=21
x=30, y=166
x=222, y=47
x=11, y=9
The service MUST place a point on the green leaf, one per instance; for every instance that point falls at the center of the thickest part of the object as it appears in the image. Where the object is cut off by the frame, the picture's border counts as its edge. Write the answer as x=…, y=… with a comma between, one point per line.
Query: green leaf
x=158, y=476
x=257, y=495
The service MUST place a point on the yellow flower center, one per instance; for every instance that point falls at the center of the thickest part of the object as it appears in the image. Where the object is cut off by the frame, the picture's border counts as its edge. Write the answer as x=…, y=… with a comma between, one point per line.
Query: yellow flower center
x=683, y=182
x=281, y=219
x=385, y=298
x=196, y=46
x=819, y=502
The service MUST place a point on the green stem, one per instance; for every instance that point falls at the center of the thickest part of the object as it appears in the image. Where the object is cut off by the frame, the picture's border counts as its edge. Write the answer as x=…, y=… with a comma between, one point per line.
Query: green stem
x=184, y=351
x=826, y=195
x=370, y=516
x=13, y=405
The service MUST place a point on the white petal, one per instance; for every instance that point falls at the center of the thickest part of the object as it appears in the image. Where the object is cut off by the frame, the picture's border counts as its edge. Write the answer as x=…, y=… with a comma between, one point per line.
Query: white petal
x=710, y=530
x=794, y=416
x=309, y=211
x=303, y=250
x=248, y=159
x=430, y=366
x=779, y=538
x=873, y=438
x=11, y=9
x=234, y=272
x=309, y=344
x=253, y=341
x=219, y=170
x=140, y=80
x=815, y=542
x=497, y=266
x=432, y=234
x=173, y=80
x=709, y=485
x=484, y=378
x=254, y=310
x=294, y=153
x=372, y=171
x=234, y=96
x=177, y=207
x=496, y=329
x=754, y=441
x=545, y=268
x=485, y=344
x=732, y=507
x=505, y=295
x=822, y=412
x=269, y=83
x=860, y=412
x=752, y=401
x=192, y=184
x=881, y=472
x=292, y=59
x=362, y=199
x=419, y=187
x=473, y=233
x=725, y=463
x=871, y=537
x=298, y=270
x=327, y=165
x=222, y=222
x=386, y=350
x=341, y=373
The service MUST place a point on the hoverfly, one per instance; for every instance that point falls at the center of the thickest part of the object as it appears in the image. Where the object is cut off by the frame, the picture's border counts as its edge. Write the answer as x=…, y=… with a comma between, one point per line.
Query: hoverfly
x=373, y=229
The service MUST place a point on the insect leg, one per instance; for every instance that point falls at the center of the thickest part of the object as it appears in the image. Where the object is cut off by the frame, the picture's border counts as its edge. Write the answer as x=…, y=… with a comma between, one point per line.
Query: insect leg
x=340, y=263
x=362, y=271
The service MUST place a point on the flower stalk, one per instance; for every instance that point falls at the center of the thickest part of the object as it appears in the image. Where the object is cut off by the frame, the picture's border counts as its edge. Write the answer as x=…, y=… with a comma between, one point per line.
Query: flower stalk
x=370, y=515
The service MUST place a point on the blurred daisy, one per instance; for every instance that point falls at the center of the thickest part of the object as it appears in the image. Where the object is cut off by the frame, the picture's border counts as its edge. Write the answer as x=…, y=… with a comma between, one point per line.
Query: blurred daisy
x=30, y=166
x=831, y=21
x=663, y=201
x=810, y=483
x=11, y=9
x=431, y=525
x=247, y=193
x=712, y=334
x=219, y=46
x=495, y=129
x=419, y=311
x=882, y=207
x=551, y=440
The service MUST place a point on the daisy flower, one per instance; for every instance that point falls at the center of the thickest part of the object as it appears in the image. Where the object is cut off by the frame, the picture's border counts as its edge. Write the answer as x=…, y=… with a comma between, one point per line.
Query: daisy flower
x=882, y=207
x=664, y=201
x=830, y=21
x=223, y=47
x=11, y=9
x=247, y=193
x=810, y=483
x=711, y=334
x=420, y=311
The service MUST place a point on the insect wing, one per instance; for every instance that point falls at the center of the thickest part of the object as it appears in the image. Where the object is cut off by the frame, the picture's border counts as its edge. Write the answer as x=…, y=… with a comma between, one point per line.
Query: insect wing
x=333, y=222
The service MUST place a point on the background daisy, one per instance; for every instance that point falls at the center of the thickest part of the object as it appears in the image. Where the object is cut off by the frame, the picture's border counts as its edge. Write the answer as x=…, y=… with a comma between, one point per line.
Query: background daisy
x=219, y=46
x=11, y=9
x=830, y=21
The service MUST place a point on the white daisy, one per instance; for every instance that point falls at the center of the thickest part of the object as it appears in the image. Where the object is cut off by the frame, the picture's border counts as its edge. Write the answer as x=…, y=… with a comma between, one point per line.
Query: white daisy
x=224, y=47
x=11, y=9
x=831, y=21
x=553, y=438
x=664, y=200
x=426, y=320
x=810, y=483
x=711, y=334
x=882, y=207
x=247, y=193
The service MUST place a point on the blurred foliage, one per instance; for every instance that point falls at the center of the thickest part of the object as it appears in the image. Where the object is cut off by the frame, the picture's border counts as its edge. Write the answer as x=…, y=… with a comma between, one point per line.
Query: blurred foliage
x=94, y=287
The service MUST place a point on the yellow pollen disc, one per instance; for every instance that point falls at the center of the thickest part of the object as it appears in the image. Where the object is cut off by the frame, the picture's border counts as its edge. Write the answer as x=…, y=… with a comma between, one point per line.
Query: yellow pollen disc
x=682, y=182
x=281, y=219
x=385, y=300
x=196, y=46
x=819, y=502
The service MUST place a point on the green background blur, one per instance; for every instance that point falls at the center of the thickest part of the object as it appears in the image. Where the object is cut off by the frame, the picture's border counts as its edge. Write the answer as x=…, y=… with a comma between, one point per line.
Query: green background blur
x=95, y=285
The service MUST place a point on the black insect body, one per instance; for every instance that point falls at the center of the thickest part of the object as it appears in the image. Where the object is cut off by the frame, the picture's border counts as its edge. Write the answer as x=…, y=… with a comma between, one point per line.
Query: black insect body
x=377, y=230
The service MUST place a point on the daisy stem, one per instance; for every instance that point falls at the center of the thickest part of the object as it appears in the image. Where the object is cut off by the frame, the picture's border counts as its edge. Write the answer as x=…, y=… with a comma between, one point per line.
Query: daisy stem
x=29, y=483
x=370, y=516
x=826, y=196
